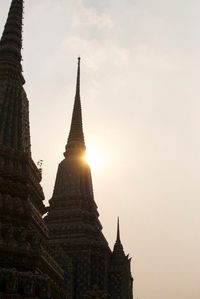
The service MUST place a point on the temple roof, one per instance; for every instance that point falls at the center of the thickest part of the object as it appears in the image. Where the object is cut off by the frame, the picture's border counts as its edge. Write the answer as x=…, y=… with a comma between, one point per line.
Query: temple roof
x=14, y=107
x=11, y=43
x=72, y=205
x=76, y=136
x=118, y=251
x=74, y=176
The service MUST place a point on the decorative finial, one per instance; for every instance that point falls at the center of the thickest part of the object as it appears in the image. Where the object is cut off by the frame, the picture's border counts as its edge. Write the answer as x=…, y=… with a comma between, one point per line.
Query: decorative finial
x=76, y=136
x=79, y=62
x=118, y=230
x=78, y=79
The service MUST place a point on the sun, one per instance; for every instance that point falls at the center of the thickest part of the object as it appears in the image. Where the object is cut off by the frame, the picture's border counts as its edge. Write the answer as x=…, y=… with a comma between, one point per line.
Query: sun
x=95, y=157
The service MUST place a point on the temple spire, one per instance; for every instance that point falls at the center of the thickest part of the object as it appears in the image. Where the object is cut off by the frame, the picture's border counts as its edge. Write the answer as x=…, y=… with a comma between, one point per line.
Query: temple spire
x=76, y=136
x=78, y=80
x=11, y=42
x=118, y=231
x=118, y=251
x=14, y=112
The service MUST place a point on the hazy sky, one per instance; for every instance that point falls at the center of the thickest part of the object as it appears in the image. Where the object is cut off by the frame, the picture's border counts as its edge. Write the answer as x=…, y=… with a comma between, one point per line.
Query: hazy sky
x=140, y=75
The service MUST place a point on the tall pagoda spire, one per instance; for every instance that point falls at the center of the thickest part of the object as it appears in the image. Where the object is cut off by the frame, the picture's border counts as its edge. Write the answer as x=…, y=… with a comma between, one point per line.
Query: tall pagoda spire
x=11, y=43
x=76, y=136
x=73, y=218
x=74, y=225
x=118, y=251
x=27, y=268
x=74, y=173
x=14, y=107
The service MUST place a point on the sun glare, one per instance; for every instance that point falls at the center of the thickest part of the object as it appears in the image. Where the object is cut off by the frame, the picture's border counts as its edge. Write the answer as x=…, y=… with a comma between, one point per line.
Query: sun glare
x=95, y=157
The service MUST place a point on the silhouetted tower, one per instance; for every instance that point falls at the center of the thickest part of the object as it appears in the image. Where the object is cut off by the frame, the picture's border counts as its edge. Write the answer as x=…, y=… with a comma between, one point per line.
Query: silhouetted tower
x=26, y=268
x=72, y=219
x=121, y=281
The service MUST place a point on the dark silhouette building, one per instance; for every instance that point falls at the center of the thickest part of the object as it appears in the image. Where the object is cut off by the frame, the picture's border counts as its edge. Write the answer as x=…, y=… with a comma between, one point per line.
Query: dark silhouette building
x=27, y=270
x=66, y=254
x=74, y=225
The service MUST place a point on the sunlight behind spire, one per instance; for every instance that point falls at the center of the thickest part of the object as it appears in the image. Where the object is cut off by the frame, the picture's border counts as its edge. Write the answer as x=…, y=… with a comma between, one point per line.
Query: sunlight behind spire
x=95, y=157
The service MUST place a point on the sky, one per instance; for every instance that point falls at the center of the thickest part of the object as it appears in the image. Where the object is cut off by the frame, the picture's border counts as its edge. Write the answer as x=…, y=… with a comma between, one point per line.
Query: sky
x=140, y=93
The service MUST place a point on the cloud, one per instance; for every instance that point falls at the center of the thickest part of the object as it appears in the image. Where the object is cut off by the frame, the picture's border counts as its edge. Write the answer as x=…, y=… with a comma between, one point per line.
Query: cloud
x=86, y=16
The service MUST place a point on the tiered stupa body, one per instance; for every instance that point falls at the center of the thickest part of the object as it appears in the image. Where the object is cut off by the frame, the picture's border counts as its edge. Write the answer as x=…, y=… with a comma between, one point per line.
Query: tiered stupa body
x=26, y=268
x=72, y=219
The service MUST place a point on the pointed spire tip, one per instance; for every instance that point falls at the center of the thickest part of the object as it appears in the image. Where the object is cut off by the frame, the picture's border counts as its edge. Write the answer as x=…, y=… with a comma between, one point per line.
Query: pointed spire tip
x=118, y=229
x=76, y=135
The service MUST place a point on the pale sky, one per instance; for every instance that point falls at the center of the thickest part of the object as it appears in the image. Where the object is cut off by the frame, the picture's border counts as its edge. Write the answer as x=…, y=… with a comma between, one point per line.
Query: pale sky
x=140, y=74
